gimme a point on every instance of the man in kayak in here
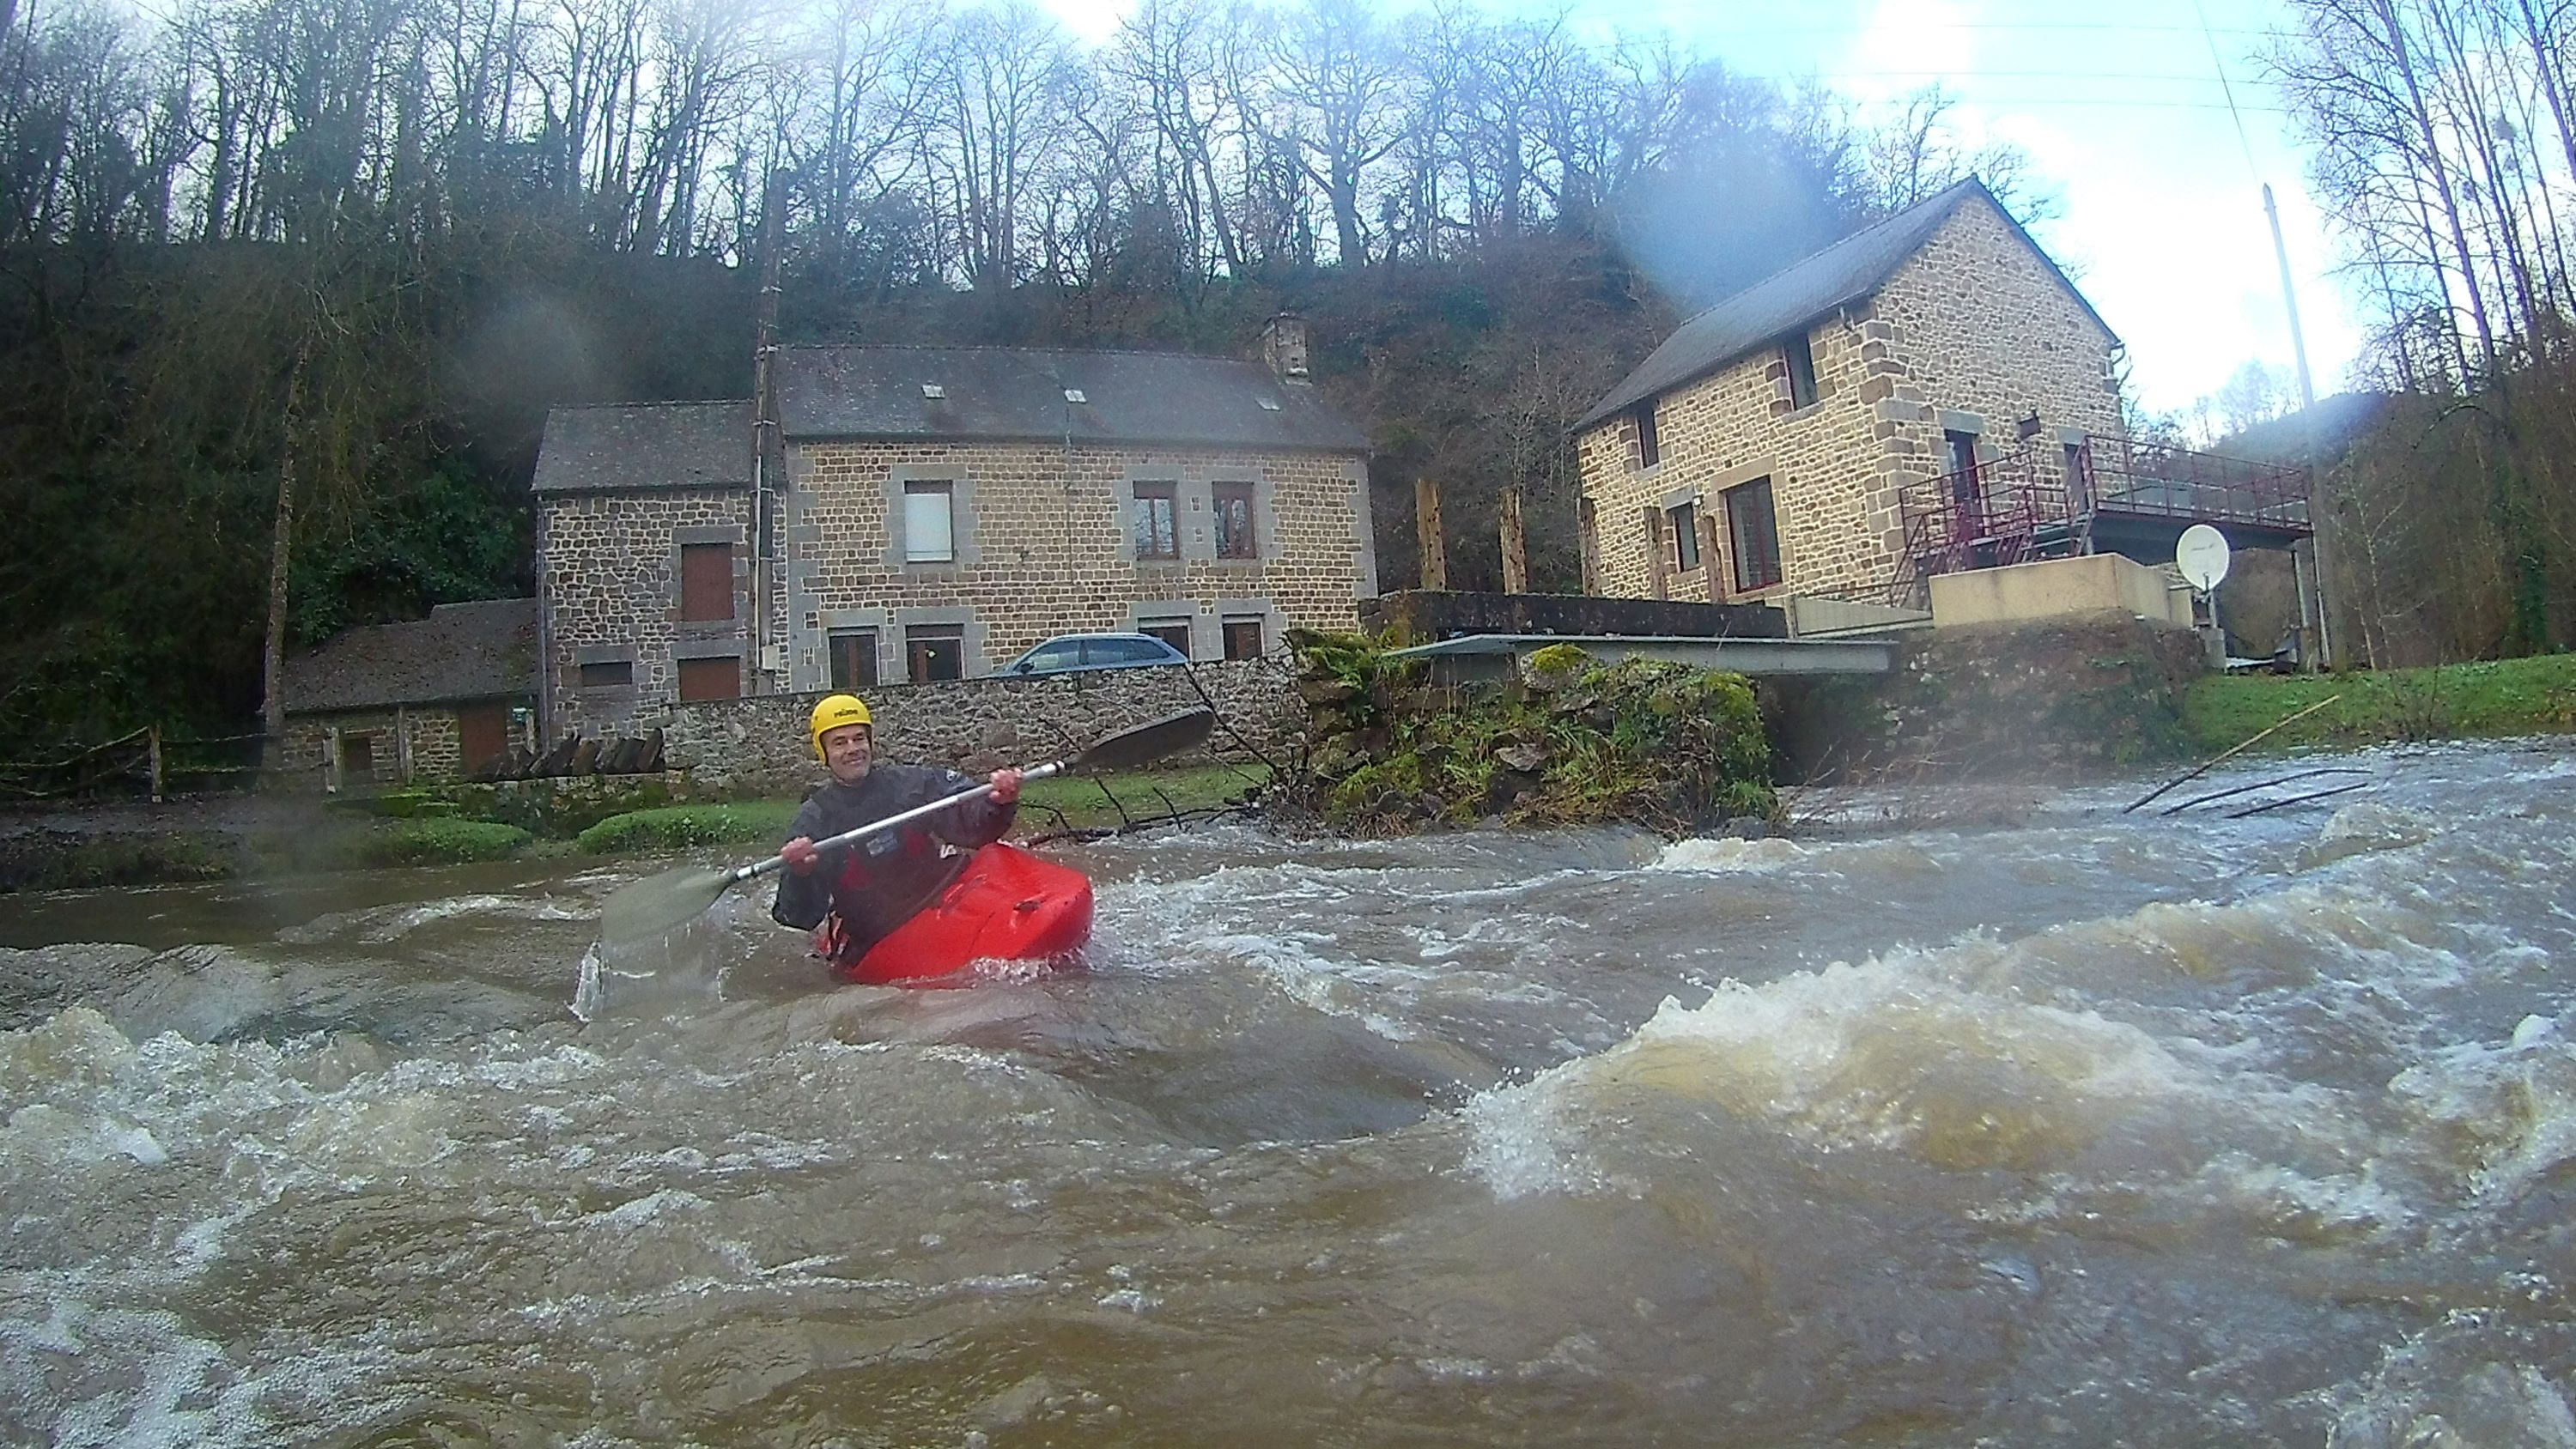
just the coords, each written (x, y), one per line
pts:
(860, 893)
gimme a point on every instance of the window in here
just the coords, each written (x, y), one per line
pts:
(1649, 452)
(854, 658)
(358, 756)
(935, 651)
(1234, 521)
(1682, 520)
(1802, 370)
(706, 581)
(710, 678)
(929, 524)
(1158, 531)
(1243, 637)
(1755, 534)
(1120, 651)
(1175, 632)
(607, 674)
(1055, 654)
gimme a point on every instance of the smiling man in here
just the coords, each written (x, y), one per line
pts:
(859, 893)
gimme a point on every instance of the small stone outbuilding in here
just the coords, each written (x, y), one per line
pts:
(429, 700)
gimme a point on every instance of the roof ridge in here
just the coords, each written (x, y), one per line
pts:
(1941, 200)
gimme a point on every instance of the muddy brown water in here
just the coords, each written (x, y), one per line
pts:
(2094, 1129)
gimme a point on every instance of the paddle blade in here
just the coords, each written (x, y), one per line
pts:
(1146, 743)
(658, 905)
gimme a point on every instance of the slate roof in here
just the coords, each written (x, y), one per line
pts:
(1850, 269)
(994, 393)
(617, 446)
(461, 652)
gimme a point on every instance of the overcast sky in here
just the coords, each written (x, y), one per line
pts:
(2161, 213)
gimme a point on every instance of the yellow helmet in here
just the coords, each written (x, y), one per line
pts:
(833, 711)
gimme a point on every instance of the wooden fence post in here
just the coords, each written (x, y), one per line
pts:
(1426, 530)
(156, 764)
(1515, 545)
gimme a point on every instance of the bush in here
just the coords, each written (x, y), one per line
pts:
(432, 840)
(1575, 742)
(677, 827)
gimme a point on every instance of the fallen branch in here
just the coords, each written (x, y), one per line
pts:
(2264, 785)
(2215, 761)
(2300, 799)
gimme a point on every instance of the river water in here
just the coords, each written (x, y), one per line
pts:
(2089, 1129)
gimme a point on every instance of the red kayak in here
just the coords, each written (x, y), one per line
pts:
(1007, 905)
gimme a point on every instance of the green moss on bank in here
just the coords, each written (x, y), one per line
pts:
(679, 827)
(433, 840)
(1571, 741)
(2502, 697)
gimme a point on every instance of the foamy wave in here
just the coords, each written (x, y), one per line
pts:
(379, 924)
(1941, 1055)
(2510, 1109)
(1729, 856)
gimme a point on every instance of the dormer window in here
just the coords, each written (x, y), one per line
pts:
(933, 391)
(1649, 452)
(1801, 361)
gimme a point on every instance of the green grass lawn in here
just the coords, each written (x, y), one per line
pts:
(2505, 697)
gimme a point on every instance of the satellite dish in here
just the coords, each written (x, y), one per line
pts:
(2201, 553)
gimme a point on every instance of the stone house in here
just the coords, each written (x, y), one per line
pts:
(1927, 395)
(433, 699)
(915, 514)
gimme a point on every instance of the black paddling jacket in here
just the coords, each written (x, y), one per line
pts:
(884, 880)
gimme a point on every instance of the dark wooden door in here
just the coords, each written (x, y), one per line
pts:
(482, 734)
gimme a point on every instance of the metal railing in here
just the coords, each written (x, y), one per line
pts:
(2034, 503)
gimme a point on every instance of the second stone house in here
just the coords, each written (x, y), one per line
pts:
(1927, 397)
(914, 514)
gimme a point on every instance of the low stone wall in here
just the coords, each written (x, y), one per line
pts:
(1425, 615)
(2055, 700)
(759, 743)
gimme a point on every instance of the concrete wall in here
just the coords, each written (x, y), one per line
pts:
(760, 744)
(1974, 332)
(2103, 583)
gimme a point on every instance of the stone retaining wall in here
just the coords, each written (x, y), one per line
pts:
(759, 744)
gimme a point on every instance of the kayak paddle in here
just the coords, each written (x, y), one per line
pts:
(654, 907)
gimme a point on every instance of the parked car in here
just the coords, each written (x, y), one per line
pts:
(1066, 653)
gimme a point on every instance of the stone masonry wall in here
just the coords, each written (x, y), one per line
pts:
(1043, 545)
(608, 569)
(1975, 328)
(426, 737)
(760, 744)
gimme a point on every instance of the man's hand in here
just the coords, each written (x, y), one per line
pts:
(1006, 786)
(799, 854)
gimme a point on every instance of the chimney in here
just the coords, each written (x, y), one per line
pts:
(1283, 346)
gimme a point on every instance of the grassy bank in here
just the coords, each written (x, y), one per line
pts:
(2454, 701)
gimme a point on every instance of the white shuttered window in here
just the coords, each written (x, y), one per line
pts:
(929, 531)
